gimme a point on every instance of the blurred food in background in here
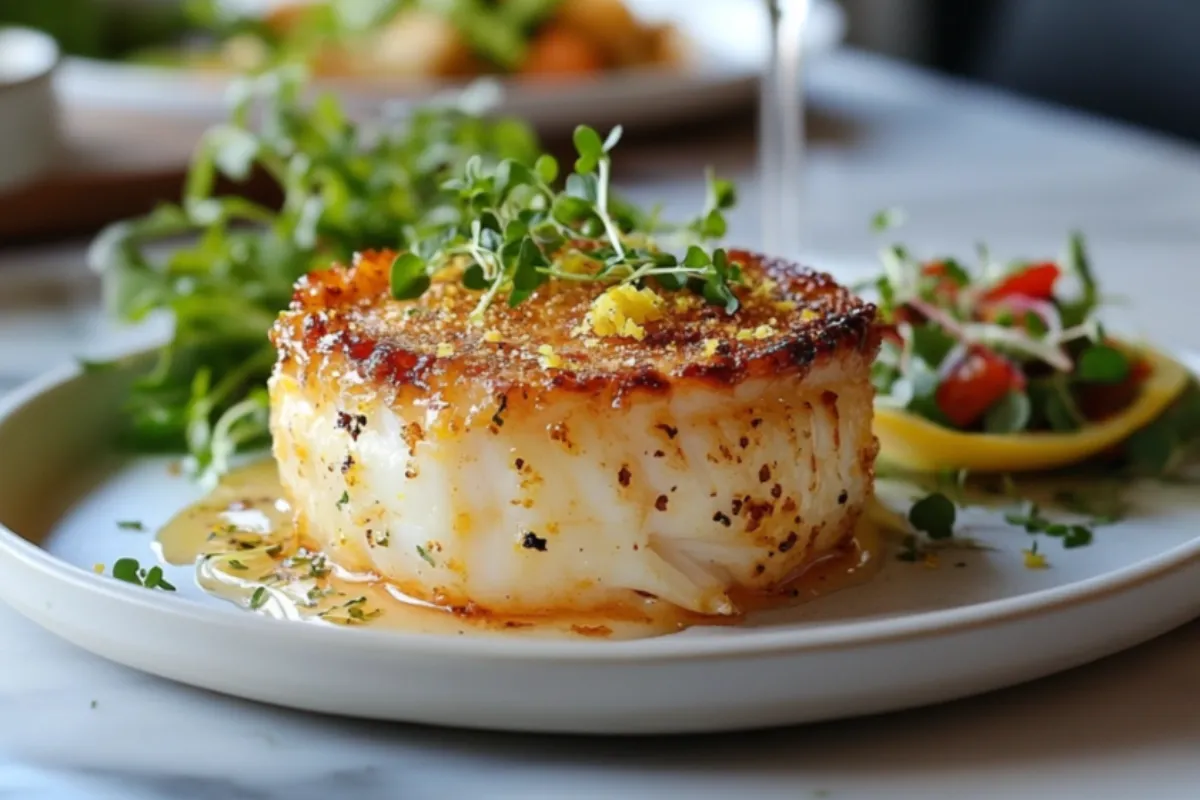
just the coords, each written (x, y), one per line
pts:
(349, 38)
(107, 29)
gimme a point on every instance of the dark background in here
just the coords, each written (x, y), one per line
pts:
(1133, 60)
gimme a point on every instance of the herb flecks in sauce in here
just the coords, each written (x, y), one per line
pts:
(241, 540)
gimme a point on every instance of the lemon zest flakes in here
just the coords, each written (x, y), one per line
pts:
(808, 315)
(765, 288)
(710, 347)
(761, 332)
(786, 305)
(548, 358)
(1035, 560)
(491, 336)
(622, 311)
(445, 350)
(686, 302)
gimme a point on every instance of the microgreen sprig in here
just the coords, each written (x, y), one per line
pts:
(511, 231)
(130, 571)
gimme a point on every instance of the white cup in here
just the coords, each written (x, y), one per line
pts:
(30, 140)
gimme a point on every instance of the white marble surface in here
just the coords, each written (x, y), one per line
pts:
(966, 164)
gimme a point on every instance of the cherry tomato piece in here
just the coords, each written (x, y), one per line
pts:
(1035, 281)
(974, 385)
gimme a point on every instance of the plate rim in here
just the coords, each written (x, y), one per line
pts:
(793, 639)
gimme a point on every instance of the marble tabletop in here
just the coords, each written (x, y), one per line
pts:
(966, 164)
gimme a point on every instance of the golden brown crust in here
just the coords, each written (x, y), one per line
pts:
(791, 318)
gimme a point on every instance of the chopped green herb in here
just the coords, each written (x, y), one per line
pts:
(131, 525)
(344, 499)
(934, 515)
(351, 612)
(235, 564)
(887, 219)
(259, 598)
(423, 553)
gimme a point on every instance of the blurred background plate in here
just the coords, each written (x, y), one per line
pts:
(727, 38)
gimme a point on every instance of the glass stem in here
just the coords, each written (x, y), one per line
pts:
(781, 129)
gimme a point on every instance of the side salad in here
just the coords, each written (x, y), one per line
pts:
(1007, 367)
(999, 387)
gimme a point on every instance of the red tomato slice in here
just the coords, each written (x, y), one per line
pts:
(974, 385)
(1035, 281)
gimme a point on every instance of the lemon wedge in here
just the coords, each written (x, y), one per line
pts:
(912, 443)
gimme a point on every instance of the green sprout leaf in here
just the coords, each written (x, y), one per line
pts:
(130, 571)
(409, 277)
(546, 168)
(934, 515)
(590, 148)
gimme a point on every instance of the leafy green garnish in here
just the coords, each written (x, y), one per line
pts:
(1078, 264)
(1053, 406)
(130, 525)
(512, 231)
(259, 598)
(931, 344)
(934, 515)
(130, 571)
(1102, 364)
(344, 189)
(1162, 447)
(424, 554)
(1010, 415)
(1032, 520)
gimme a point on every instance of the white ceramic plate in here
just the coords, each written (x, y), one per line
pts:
(913, 636)
(730, 38)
